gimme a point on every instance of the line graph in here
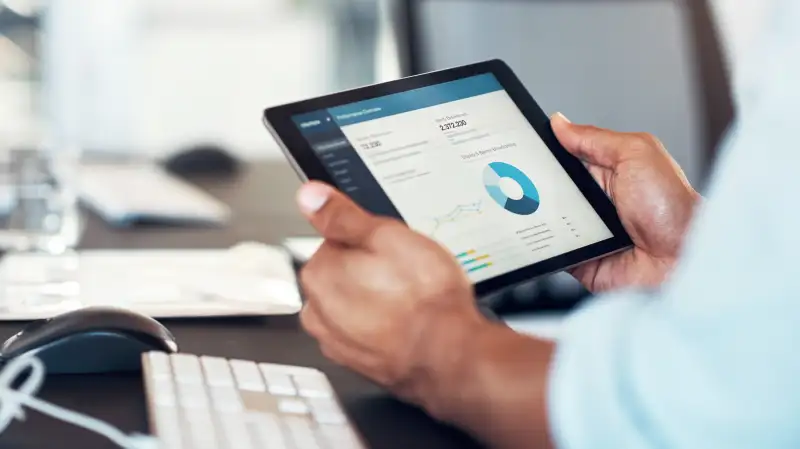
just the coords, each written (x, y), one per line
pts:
(458, 213)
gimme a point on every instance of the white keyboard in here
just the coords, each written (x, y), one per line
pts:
(200, 402)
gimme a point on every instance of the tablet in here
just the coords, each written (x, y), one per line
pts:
(465, 156)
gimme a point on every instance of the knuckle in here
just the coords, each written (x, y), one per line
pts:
(312, 280)
(306, 319)
(307, 275)
(444, 276)
(313, 271)
(310, 322)
(329, 353)
(646, 142)
(386, 230)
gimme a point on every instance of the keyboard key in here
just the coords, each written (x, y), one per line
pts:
(326, 411)
(278, 383)
(159, 365)
(301, 433)
(339, 437)
(201, 429)
(192, 396)
(247, 375)
(226, 399)
(293, 407)
(168, 426)
(259, 401)
(164, 393)
(187, 369)
(217, 371)
(267, 431)
(313, 385)
(237, 435)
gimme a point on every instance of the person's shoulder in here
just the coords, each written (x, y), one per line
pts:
(770, 76)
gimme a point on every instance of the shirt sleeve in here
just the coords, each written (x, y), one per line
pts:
(712, 360)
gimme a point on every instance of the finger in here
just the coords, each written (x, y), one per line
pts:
(585, 274)
(334, 350)
(600, 174)
(327, 281)
(312, 323)
(335, 216)
(597, 146)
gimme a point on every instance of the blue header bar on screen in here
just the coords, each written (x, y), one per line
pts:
(412, 100)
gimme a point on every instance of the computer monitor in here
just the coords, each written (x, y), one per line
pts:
(631, 65)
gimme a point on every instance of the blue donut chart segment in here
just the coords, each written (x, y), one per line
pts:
(494, 172)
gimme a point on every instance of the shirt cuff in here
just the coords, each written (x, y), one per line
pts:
(584, 390)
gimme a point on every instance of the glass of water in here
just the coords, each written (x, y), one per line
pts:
(40, 222)
(40, 228)
(41, 201)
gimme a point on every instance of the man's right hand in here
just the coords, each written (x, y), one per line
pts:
(652, 196)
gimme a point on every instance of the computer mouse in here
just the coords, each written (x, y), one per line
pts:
(91, 340)
(202, 159)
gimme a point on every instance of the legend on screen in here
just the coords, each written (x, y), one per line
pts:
(473, 261)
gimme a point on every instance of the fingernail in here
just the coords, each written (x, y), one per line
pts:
(561, 116)
(312, 197)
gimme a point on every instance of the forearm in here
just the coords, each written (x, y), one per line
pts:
(494, 387)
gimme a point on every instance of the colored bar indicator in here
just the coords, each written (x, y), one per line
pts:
(479, 267)
(465, 254)
(475, 259)
(469, 258)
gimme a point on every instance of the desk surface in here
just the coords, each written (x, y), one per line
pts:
(262, 198)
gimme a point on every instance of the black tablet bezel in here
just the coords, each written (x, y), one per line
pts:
(279, 121)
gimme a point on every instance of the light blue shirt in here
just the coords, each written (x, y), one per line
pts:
(712, 360)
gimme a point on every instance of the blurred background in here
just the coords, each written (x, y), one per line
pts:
(150, 78)
(154, 76)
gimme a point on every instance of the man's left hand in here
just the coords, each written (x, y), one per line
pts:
(382, 299)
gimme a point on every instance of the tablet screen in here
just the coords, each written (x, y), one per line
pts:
(460, 163)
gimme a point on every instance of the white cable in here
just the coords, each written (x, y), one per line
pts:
(12, 402)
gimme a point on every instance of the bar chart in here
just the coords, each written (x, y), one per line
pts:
(473, 261)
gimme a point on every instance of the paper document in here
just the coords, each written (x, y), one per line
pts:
(302, 248)
(159, 283)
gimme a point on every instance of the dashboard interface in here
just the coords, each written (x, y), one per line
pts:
(460, 163)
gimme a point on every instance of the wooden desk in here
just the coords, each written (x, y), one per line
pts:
(263, 202)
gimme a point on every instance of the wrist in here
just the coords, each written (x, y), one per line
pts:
(451, 357)
(443, 351)
(490, 381)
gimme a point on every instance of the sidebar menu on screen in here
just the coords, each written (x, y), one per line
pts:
(342, 162)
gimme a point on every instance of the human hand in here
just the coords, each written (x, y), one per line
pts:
(653, 199)
(383, 300)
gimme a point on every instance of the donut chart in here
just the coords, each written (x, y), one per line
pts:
(527, 204)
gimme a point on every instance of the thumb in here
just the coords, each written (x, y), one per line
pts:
(594, 145)
(335, 216)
